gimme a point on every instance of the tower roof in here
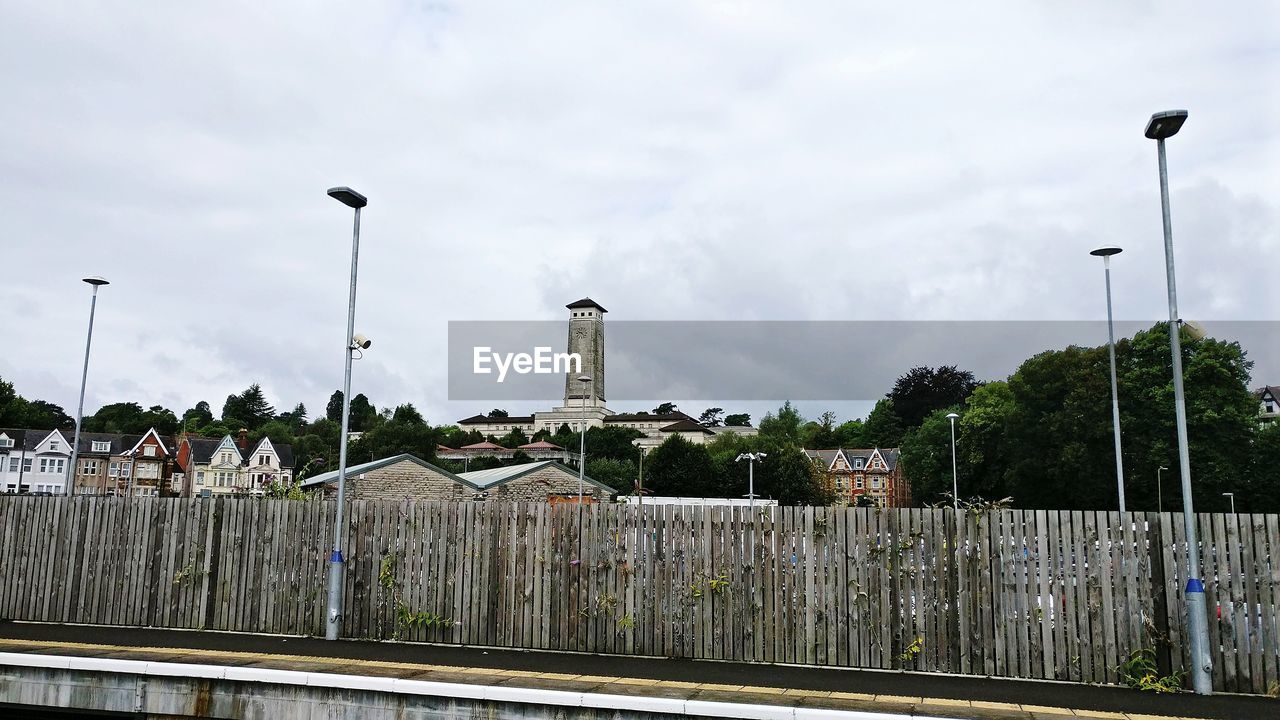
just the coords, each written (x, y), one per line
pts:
(585, 303)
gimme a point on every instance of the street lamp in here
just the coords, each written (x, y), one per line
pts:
(1231, 496)
(1105, 253)
(96, 282)
(355, 201)
(582, 436)
(955, 484)
(751, 459)
(1159, 490)
(1162, 126)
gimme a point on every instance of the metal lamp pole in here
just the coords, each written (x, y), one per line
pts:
(955, 483)
(1232, 497)
(1164, 125)
(751, 459)
(96, 282)
(337, 569)
(582, 436)
(1105, 253)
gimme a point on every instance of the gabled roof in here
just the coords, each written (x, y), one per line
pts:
(1272, 390)
(493, 477)
(485, 420)
(686, 426)
(828, 457)
(283, 452)
(540, 445)
(354, 470)
(486, 445)
(202, 449)
(586, 302)
(149, 433)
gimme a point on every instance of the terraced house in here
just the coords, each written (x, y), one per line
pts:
(871, 473)
(231, 466)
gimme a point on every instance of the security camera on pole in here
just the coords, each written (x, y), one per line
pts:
(751, 459)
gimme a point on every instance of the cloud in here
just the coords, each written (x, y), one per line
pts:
(672, 160)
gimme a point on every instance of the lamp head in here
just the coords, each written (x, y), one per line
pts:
(1105, 251)
(584, 378)
(1165, 124)
(95, 281)
(1194, 330)
(348, 197)
(952, 416)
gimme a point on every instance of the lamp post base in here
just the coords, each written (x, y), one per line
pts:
(333, 618)
(1197, 616)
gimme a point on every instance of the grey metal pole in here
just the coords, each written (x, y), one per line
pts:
(1159, 490)
(955, 483)
(84, 377)
(1232, 497)
(751, 483)
(582, 444)
(1197, 614)
(337, 569)
(1115, 392)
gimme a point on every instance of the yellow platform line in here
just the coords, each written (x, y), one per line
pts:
(914, 701)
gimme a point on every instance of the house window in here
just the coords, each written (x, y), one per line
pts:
(875, 483)
(1271, 407)
(13, 464)
(6, 442)
(88, 467)
(262, 459)
(858, 483)
(149, 451)
(99, 446)
(857, 464)
(26, 465)
(113, 470)
(199, 477)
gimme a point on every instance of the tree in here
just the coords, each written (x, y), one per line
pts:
(198, 416)
(363, 414)
(711, 417)
(249, 407)
(498, 413)
(405, 431)
(37, 415)
(922, 390)
(784, 426)
(982, 430)
(296, 417)
(679, 468)
(617, 474)
(820, 433)
(850, 434)
(883, 428)
(738, 420)
(666, 408)
(514, 439)
(926, 458)
(333, 409)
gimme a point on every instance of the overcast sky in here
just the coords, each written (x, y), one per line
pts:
(683, 160)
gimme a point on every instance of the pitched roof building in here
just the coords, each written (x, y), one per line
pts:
(858, 472)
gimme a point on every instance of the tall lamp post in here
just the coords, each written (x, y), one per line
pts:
(354, 200)
(751, 459)
(1164, 125)
(96, 282)
(1105, 253)
(582, 436)
(1160, 489)
(955, 483)
(1232, 497)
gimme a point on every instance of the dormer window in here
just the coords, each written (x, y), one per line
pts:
(99, 446)
(53, 446)
(149, 450)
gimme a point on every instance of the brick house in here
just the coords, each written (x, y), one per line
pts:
(405, 477)
(854, 472)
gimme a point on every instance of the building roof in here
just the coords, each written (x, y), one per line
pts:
(586, 302)
(203, 448)
(686, 426)
(354, 470)
(648, 417)
(493, 477)
(540, 445)
(827, 457)
(1273, 390)
(486, 445)
(486, 420)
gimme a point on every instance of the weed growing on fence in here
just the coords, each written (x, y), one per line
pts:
(188, 575)
(1140, 672)
(406, 619)
(914, 649)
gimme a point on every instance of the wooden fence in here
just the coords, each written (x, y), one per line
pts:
(1030, 594)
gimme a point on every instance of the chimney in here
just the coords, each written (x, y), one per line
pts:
(243, 440)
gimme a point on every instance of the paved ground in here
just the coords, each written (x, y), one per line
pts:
(918, 693)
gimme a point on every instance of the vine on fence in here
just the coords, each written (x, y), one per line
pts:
(406, 618)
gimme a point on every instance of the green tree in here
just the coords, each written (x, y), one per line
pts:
(851, 434)
(883, 428)
(617, 474)
(333, 409)
(249, 407)
(783, 426)
(498, 413)
(363, 413)
(198, 416)
(711, 416)
(666, 408)
(680, 468)
(926, 459)
(738, 420)
(922, 390)
(982, 431)
(820, 433)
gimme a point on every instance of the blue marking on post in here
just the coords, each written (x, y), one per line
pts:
(1194, 585)
(336, 556)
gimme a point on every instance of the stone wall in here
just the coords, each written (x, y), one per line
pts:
(537, 485)
(405, 479)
